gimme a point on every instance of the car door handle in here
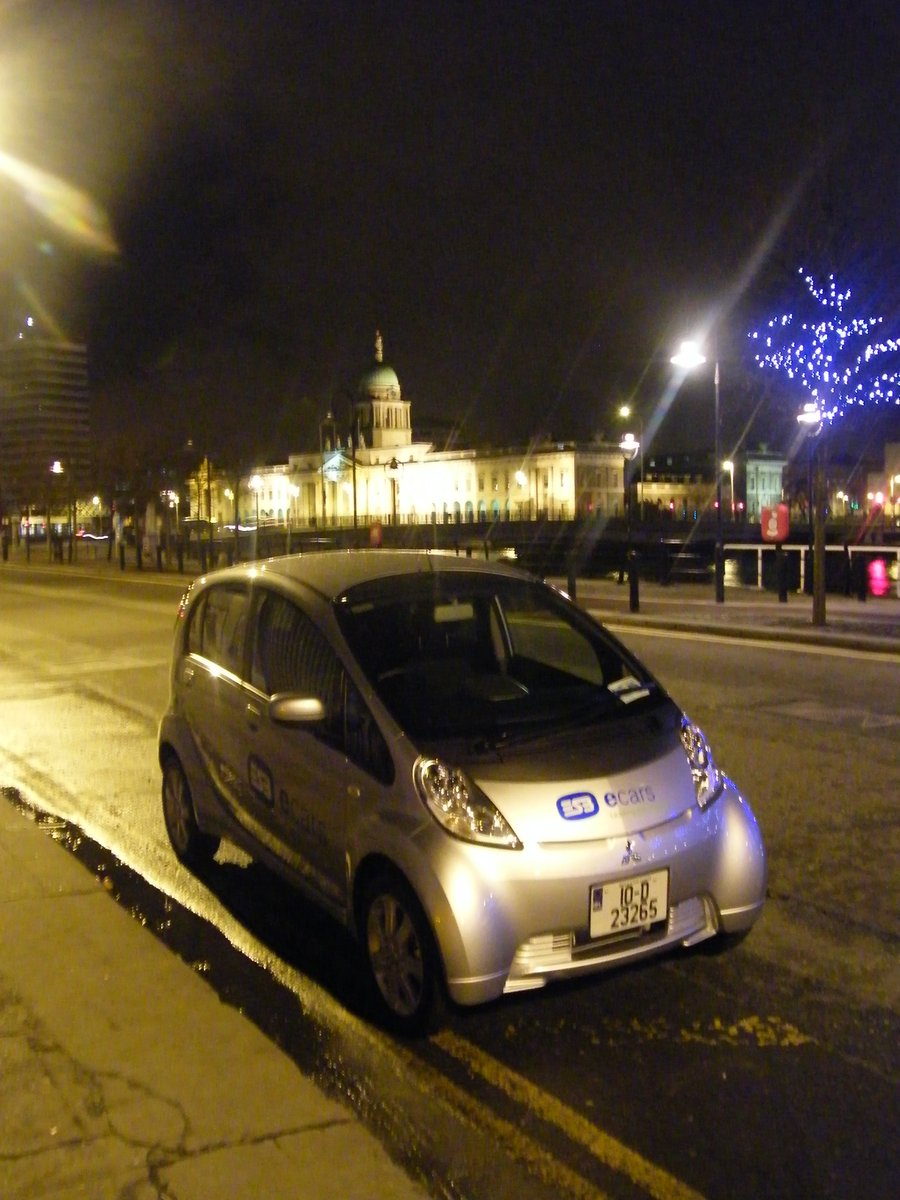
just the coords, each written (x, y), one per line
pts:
(253, 715)
(353, 792)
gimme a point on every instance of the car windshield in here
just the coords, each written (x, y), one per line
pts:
(459, 654)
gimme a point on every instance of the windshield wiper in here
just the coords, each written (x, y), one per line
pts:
(532, 729)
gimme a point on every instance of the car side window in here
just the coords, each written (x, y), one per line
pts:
(291, 655)
(218, 625)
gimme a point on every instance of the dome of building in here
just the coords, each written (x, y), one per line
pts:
(380, 382)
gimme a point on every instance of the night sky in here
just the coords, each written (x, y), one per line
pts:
(533, 202)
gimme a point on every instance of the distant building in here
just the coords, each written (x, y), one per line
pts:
(44, 417)
(883, 487)
(684, 485)
(764, 481)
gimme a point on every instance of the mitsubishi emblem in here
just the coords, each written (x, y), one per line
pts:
(631, 855)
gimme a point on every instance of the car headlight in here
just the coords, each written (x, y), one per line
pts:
(460, 807)
(708, 781)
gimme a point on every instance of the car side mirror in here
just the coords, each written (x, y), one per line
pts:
(289, 709)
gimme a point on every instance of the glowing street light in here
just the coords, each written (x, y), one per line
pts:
(688, 358)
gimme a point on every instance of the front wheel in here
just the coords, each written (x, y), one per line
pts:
(192, 846)
(400, 955)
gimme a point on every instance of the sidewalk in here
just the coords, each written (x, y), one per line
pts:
(122, 1073)
(747, 612)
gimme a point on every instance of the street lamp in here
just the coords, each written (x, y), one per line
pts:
(689, 358)
(293, 493)
(630, 446)
(625, 412)
(255, 483)
(393, 470)
(56, 468)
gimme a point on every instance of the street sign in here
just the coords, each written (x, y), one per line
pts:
(775, 523)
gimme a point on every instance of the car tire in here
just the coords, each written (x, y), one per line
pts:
(400, 955)
(192, 846)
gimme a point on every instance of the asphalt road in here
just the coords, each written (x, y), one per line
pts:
(768, 1070)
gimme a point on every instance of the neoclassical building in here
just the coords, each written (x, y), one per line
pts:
(375, 473)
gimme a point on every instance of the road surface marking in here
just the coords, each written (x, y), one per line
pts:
(607, 1149)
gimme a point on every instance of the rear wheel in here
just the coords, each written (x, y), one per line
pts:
(400, 954)
(192, 846)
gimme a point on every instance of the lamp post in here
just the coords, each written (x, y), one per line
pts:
(630, 446)
(811, 418)
(293, 493)
(625, 412)
(56, 468)
(255, 483)
(688, 358)
(393, 470)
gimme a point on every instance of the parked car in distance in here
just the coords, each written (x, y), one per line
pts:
(459, 764)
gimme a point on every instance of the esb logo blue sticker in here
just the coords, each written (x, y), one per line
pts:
(577, 805)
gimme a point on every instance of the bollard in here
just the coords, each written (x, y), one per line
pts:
(664, 565)
(121, 556)
(634, 599)
(781, 573)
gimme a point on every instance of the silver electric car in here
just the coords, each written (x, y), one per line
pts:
(458, 763)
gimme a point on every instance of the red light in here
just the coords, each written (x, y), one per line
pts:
(879, 583)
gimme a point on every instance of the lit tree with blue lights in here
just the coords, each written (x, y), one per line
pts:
(835, 357)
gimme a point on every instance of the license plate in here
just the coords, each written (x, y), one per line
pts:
(629, 903)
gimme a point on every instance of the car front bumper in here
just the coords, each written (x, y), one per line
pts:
(510, 921)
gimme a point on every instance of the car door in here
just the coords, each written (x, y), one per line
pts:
(300, 769)
(211, 687)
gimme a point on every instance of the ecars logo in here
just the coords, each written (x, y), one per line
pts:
(577, 805)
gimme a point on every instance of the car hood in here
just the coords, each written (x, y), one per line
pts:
(573, 797)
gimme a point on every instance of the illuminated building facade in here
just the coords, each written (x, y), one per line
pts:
(376, 473)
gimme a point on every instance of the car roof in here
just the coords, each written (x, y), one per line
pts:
(332, 572)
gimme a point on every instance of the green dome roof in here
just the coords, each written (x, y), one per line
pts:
(380, 382)
(379, 378)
